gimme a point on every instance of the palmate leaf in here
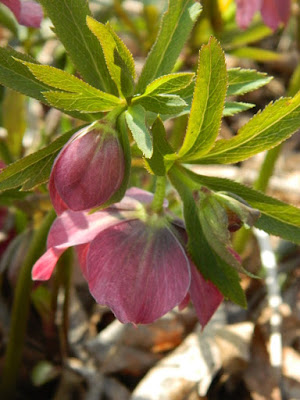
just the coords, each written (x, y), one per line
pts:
(34, 169)
(176, 26)
(78, 95)
(118, 58)
(208, 102)
(211, 266)
(69, 20)
(17, 76)
(276, 123)
(277, 218)
(162, 103)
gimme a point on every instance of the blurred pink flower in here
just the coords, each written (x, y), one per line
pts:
(274, 12)
(89, 169)
(27, 13)
(134, 262)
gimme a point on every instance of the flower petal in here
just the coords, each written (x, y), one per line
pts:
(72, 229)
(27, 13)
(139, 271)
(274, 12)
(245, 11)
(31, 14)
(43, 268)
(89, 170)
(204, 295)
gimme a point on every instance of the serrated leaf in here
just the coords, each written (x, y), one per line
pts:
(62, 80)
(157, 164)
(276, 123)
(208, 102)
(235, 107)
(169, 83)
(241, 81)
(85, 103)
(176, 26)
(69, 20)
(33, 170)
(277, 217)
(136, 121)
(117, 56)
(17, 76)
(210, 265)
(161, 103)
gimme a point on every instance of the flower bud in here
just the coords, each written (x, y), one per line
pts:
(221, 213)
(89, 170)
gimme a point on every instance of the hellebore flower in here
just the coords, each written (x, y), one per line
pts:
(221, 213)
(273, 12)
(133, 260)
(89, 169)
(27, 13)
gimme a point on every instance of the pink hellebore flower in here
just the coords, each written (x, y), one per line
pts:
(89, 169)
(274, 12)
(133, 261)
(27, 13)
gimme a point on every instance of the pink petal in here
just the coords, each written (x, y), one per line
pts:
(27, 13)
(274, 12)
(58, 204)
(245, 11)
(71, 229)
(139, 271)
(82, 251)
(43, 268)
(88, 170)
(204, 295)
(31, 14)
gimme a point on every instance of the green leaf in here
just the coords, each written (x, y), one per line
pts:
(7, 20)
(236, 38)
(34, 169)
(157, 165)
(169, 83)
(118, 59)
(277, 218)
(241, 81)
(17, 76)
(276, 123)
(78, 95)
(208, 102)
(69, 20)
(176, 26)
(235, 107)
(257, 54)
(80, 102)
(136, 121)
(211, 266)
(161, 103)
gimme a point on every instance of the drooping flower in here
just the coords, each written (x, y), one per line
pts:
(28, 13)
(133, 260)
(273, 12)
(89, 170)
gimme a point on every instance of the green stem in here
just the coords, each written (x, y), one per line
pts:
(261, 183)
(159, 195)
(20, 311)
